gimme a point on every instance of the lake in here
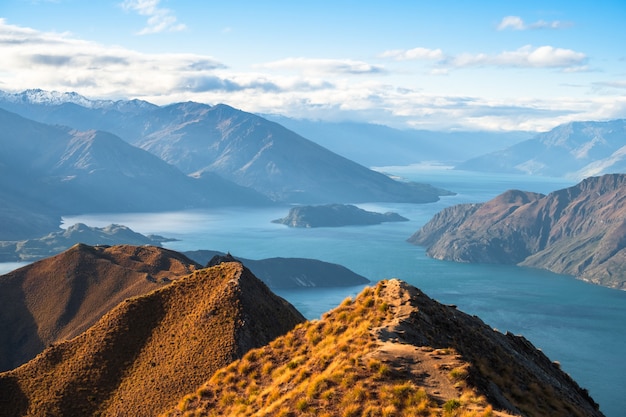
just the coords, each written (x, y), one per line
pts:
(582, 326)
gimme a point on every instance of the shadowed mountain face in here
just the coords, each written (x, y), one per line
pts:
(251, 151)
(577, 150)
(60, 297)
(146, 353)
(579, 231)
(267, 157)
(47, 170)
(392, 351)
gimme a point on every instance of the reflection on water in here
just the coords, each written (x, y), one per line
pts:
(581, 325)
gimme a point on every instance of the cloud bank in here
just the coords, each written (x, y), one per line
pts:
(327, 89)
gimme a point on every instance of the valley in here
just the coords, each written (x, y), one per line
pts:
(568, 319)
(220, 209)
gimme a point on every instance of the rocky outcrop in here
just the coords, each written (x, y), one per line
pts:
(392, 351)
(335, 215)
(579, 231)
(146, 353)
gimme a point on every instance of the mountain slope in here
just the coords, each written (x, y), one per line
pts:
(150, 350)
(269, 158)
(51, 170)
(392, 351)
(239, 146)
(578, 231)
(60, 297)
(577, 150)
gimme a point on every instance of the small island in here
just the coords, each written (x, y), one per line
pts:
(335, 215)
(56, 242)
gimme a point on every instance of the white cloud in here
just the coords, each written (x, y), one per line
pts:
(160, 19)
(323, 66)
(516, 23)
(328, 89)
(413, 54)
(512, 22)
(59, 61)
(524, 57)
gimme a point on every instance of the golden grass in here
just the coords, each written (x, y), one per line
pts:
(322, 367)
(150, 351)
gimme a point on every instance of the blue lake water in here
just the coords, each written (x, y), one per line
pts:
(583, 326)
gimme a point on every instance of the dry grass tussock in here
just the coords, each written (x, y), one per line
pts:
(337, 366)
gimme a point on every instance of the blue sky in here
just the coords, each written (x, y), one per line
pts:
(497, 65)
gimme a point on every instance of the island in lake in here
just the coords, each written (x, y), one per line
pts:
(335, 215)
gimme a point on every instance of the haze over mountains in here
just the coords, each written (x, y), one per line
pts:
(377, 145)
(576, 150)
(47, 171)
(203, 140)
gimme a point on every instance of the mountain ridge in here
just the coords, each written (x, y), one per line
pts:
(577, 231)
(49, 171)
(574, 150)
(61, 296)
(149, 350)
(392, 350)
(242, 147)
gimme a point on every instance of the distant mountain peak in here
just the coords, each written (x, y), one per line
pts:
(55, 98)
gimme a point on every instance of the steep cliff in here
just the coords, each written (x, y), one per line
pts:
(579, 231)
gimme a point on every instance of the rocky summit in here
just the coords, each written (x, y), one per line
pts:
(579, 231)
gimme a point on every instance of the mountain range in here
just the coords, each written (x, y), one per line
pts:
(575, 150)
(579, 231)
(376, 145)
(202, 140)
(48, 171)
(217, 341)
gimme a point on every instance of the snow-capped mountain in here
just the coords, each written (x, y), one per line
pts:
(56, 98)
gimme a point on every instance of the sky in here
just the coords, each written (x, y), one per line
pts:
(439, 65)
